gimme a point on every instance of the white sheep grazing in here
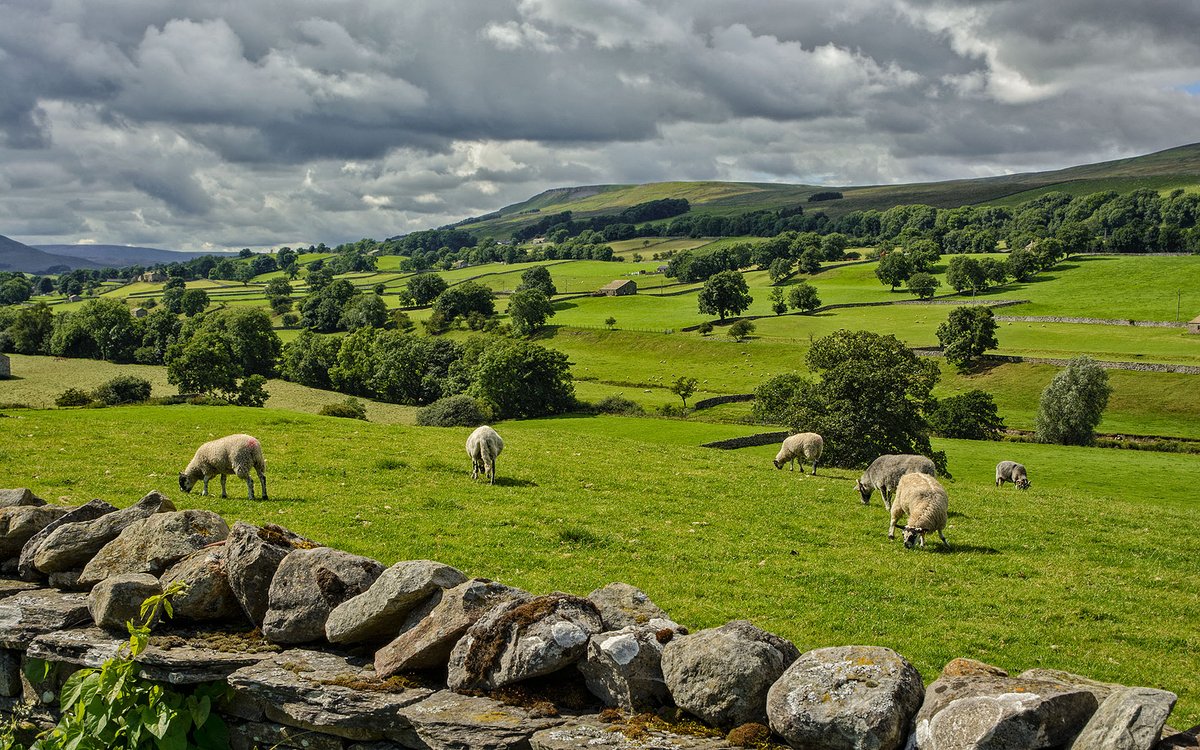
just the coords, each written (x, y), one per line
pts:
(924, 500)
(233, 454)
(1011, 471)
(805, 445)
(884, 474)
(484, 446)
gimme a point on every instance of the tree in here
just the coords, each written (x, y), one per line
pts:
(425, 288)
(809, 261)
(1073, 404)
(522, 379)
(322, 309)
(278, 287)
(101, 329)
(803, 297)
(538, 277)
(364, 310)
(966, 334)
(740, 330)
(778, 303)
(529, 309)
(779, 270)
(924, 254)
(173, 299)
(193, 302)
(610, 322)
(464, 299)
(968, 416)
(725, 293)
(684, 387)
(870, 399)
(894, 269)
(308, 359)
(923, 285)
(705, 328)
(254, 342)
(204, 364)
(1022, 264)
(965, 272)
(30, 328)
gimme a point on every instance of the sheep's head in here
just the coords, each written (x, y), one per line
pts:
(914, 536)
(864, 491)
(186, 483)
(1023, 483)
(777, 462)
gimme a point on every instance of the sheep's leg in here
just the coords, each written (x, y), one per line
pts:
(892, 529)
(249, 485)
(205, 493)
(262, 479)
(887, 501)
(943, 536)
(491, 473)
(223, 487)
(814, 468)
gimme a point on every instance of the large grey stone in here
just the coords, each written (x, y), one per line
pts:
(325, 692)
(623, 667)
(19, 523)
(431, 630)
(19, 496)
(1176, 740)
(846, 698)
(449, 721)
(12, 588)
(208, 596)
(1129, 719)
(258, 735)
(176, 660)
(252, 555)
(522, 639)
(585, 734)
(722, 675)
(1099, 689)
(27, 615)
(86, 512)
(307, 586)
(622, 605)
(996, 713)
(378, 613)
(10, 673)
(72, 545)
(117, 599)
(153, 544)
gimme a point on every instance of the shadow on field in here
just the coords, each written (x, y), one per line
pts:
(958, 548)
(510, 482)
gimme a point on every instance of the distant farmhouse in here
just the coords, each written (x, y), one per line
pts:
(140, 312)
(153, 277)
(618, 288)
(1193, 325)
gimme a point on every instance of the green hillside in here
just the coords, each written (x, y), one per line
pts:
(1164, 171)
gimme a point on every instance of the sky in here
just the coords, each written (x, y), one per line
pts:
(213, 125)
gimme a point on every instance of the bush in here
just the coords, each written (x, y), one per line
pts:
(970, 416)
(73, 397)
(671, 410)
(740, 330)
(453, 411)
(123, 389)
(618, 405)
(704, 328)
(351, 408)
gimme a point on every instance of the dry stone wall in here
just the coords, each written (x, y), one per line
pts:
(357, 656)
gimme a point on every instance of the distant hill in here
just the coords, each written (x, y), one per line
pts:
(117, 256)
(1164, 170)
(15, 256)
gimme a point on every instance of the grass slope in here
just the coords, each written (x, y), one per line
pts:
(1092, 570)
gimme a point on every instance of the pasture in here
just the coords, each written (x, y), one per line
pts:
(1092, 570)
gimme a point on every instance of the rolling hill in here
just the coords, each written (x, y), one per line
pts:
(124, 255)
(15, 256)
(1164, 170)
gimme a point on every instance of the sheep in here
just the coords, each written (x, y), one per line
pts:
(804, 445)
(1011, 471)
(233, 454)
(924, 500)
(884, 473)
(484, 446)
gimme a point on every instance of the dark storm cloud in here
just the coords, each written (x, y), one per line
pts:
(233, 124)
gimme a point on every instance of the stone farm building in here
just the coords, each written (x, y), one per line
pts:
(1193, 325)
(619, 288)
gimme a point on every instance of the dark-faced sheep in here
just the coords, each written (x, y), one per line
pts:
(884, 474)
(233, 454)
(483, 446)
(1011, 471)
(805, 445)
(924, 500)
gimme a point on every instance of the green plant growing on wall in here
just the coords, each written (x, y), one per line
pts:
(113, 707)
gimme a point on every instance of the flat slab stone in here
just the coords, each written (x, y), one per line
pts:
(327, 693)
(594, 735)
(25, 616)
(253, 735)
(180, 665)
(9, 587)
(449, 721)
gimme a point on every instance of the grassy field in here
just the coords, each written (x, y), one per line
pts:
(1120, 287)
(1092, 570)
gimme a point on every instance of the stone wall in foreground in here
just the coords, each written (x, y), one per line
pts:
(327, 650)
